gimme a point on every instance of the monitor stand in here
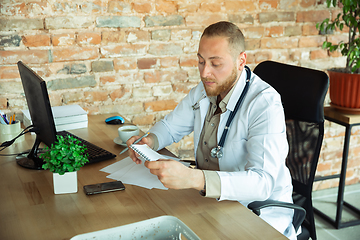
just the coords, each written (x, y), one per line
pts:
(31, 160)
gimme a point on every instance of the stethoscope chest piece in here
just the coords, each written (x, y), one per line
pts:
(217, 152)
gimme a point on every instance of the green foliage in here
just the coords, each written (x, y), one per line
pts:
(349, 17)
(66, 155)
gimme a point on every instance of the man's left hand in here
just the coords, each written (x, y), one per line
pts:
(175, 175)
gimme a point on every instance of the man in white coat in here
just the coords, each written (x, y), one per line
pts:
(239, 132)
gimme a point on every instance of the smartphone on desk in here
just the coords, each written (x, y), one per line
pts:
(103, 187)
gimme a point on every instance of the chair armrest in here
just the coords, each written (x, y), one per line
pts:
(299, 212)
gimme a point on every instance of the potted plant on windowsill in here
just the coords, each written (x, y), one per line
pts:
(345, 82)
(64, 158)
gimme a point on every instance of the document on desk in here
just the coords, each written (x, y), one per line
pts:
(135, 174)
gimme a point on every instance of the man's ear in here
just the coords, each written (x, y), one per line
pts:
(241, 60)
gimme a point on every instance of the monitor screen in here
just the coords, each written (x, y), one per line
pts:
(41, 115)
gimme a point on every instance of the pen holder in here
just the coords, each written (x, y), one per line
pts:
(10, 131)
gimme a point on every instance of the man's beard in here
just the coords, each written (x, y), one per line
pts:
(226, 86)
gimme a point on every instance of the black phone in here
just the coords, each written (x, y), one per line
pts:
(103, 187)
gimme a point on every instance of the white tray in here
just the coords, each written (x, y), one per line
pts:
(164, 227)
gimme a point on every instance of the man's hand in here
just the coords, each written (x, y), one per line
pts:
(146, 140)
(175, 175)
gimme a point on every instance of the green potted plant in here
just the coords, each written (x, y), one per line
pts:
(64, 158)
(345, 82)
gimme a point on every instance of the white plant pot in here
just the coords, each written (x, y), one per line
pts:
(66, 183)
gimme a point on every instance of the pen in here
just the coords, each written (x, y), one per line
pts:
(13, 118)
(2, 120)
(145, 135)
(10, 121)
(4, 117)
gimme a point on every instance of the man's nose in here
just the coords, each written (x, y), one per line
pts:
(205, 71)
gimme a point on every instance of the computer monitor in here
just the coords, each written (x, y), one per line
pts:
(41, 115)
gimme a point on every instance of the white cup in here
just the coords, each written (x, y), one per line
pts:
(127, 131)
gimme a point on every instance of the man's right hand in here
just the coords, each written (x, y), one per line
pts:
(146, 140)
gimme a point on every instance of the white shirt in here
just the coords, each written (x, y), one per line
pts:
(253, 164)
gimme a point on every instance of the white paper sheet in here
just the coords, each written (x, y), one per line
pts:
(131, 173)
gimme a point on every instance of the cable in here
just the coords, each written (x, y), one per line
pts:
(28, 129)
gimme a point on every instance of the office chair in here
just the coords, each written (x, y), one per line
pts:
(302, 93)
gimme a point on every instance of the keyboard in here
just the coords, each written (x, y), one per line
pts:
(96, 153)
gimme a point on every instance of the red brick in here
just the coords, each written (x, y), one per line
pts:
(268, 4)
(281, 43)
(312, 16)
(9, 72)
(37, 8)
(318, 54)
(274, 31)
(323, 166)
(36, 40)
(252, 44)
(117, 93)
(117, 6)
(189, 7)
(124, 64)
(334, 13)
(189, 61)
(96, 96)
(113, 37)
(107, 79)
(161, 105)
(64, 39)
(166, 6)
(138, 36)
(153, 77)
(250, 58)
(210, 7)
(89, 38)
(14, 9)
(307, 3)
(235, 6)
(309, 30)
(169, 62)
(311, 41)
(335, 54)
(3, 103)
(335, 39)
(141, 7)
(27, 56)
(73, 54)
(147, 119)
(254, 32)
(146, 63)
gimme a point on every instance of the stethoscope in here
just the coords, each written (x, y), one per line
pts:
(218, 152)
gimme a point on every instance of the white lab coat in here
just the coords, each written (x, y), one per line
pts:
(253, 163)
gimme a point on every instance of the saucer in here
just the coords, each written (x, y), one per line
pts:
(119, 142)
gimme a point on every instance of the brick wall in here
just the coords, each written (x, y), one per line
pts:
(138, 58)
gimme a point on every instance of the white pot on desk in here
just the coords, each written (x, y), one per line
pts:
(66, 183)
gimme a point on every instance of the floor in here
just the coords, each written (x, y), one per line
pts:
(325, 200)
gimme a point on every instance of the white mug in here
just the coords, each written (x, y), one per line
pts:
(127, 131)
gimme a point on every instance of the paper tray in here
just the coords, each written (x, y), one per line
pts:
(164, 227)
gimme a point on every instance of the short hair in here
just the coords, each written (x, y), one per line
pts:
(229, 30)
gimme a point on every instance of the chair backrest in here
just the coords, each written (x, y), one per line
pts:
(302, 91)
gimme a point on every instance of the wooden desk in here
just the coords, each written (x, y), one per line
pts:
(30, 210)
(348, 121)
